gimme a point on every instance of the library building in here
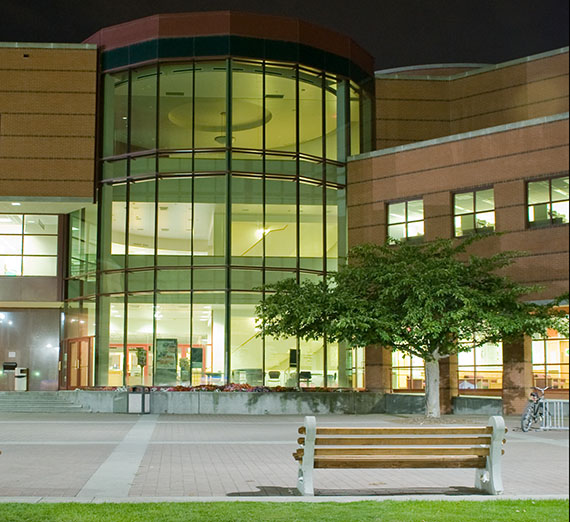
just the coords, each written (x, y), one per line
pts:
(155, 176)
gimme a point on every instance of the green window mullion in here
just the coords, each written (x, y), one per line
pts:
(228, 219)
(264, 204)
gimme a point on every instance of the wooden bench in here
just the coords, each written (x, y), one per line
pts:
(478, 447)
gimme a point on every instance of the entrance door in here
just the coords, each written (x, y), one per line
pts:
(79, 354)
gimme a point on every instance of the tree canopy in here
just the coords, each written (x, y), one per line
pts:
(422, 299)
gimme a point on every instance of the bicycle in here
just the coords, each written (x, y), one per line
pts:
(534, 411)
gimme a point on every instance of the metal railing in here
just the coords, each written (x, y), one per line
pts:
(555, 415)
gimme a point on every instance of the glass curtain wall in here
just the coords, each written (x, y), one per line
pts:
(218, 177)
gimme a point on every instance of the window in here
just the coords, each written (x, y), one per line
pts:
(406, 220)
(474, 212)
(548, 202)
(550, 361)
(408, 372)
(28, 245)
(480, 368)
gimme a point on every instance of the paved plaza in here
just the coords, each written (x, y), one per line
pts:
(108, 457)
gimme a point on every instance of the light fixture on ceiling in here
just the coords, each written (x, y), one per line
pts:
(222, 138)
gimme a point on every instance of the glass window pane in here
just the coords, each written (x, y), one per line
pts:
(175, 120)
(539, 214)
(247, 162)
(396, 213)
(172, 316)
(113, 231)
(175, 215)
(10, 266)
(11, 223)
(335, 118)
(208, 329)
(280, 223)
(415, 210)
(538, 192)
(354, 121)
(41, 224)
(209, 227)
(336, 224)
(397, 231)
(42, 245)
(538, 352)
(310, 114)
(311, 226)
(40, 266)
(484, 200)
(248, 232)
(311, 364)
(415, 229)
(246, 348)
(115, 113)
(141, 223)
(485, 220)
(247, 105)
(140, 324)
(142, 165)
(11, 245)
(210, 119)
(114, 169)
(173, 280)
(466, 358)
(143, 109)
(463, 203)
(560, 189)
(280, 101)
(464, 225)
(560, 213)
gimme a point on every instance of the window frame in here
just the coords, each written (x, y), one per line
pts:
(476, 229)
(22, 235)
(406, 221)
(543, 223)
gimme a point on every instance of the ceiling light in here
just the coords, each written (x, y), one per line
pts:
(15, 204)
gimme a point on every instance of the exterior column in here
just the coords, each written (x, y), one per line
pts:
(378, 375)
(517, 375)
(448, 385)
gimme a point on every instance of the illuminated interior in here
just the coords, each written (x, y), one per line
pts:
(204, 198)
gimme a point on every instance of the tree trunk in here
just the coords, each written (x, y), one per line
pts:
(432, 388)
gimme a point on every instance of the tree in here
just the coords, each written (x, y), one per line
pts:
(421, 299)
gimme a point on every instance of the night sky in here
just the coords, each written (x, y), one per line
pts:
(395, 32)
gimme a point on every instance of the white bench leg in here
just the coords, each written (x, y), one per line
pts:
(305, 476)
(490, 479)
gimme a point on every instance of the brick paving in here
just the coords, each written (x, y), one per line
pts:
(184, 457)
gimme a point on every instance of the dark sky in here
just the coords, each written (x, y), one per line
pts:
(395, 32)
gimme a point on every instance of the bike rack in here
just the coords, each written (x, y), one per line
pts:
(555, 411)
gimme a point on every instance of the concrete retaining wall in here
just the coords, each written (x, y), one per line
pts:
(469, 405)
(286, 403)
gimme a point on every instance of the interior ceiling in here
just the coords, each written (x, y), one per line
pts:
(40, 207)
(209, 112)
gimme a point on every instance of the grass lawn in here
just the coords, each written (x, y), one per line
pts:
(386, 511)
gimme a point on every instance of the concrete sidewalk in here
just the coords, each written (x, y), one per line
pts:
(149, 458)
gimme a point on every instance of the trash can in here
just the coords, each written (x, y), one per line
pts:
(138, 399)
(21, 379)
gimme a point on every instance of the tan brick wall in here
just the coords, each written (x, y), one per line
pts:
(410, 110)
(502, 160)
(47, 121)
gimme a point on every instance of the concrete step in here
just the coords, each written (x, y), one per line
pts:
(38, 402)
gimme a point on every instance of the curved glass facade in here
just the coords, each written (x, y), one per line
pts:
(216, 178)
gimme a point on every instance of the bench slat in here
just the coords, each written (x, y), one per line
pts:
(482, 451)
(398, 461)
(424, 430)
(397, 441)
